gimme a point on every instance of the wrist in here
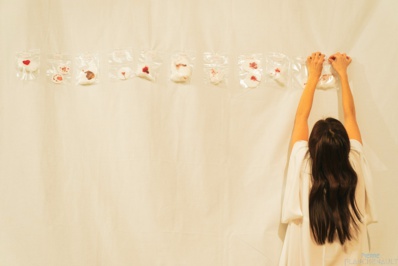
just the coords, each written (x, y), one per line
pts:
(313, 79)
(343, 76)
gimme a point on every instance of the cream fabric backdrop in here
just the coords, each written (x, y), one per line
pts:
(140, 173)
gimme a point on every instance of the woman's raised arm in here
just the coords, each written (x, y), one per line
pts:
(340, 63)
(300, 128)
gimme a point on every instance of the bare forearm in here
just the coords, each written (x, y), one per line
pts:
(305, 104)
(340, 63)
(300, 129)
(348, 99)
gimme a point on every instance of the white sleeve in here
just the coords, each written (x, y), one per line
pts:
(371, 216)
(291, 207)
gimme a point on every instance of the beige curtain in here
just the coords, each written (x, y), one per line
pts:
(158, 173)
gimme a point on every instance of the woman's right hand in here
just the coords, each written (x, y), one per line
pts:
(315, 65)
(340, 62)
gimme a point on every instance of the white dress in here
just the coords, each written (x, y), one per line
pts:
(299, 248)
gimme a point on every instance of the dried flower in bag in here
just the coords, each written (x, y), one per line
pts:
(28, 65)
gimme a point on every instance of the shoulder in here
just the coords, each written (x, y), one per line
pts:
(299, 150)
(356, 153)
(356, 148)
(356, 145)
(299, 146)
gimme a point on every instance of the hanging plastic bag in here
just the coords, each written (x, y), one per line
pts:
(87, 69)
(277, 68)
(215, 68)
(299, 72)
(250, 73)
(328, 79)
(28, 65)
(59, 68)
(120, 64)
(181, 67)
(148, 64)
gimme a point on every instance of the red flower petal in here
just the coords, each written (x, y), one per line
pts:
(253, 65)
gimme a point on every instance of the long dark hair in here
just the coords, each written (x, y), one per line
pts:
(332, 205)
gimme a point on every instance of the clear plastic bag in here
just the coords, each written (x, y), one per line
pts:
(215, 68)
(329, 78)
(148, 64)
(181, 67)
(250, 73)
(277, 67)
(59, 68)
(87, 69)
(299, 72)
(28, 65)
(120, 64)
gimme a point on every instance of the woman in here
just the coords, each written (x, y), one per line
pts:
(328, 198)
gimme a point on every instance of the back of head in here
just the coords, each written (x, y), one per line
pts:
(329, 142)
(334, 181)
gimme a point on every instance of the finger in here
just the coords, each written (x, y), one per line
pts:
(337, 55)
(333, 60)
(314, 54)
(321, 57)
